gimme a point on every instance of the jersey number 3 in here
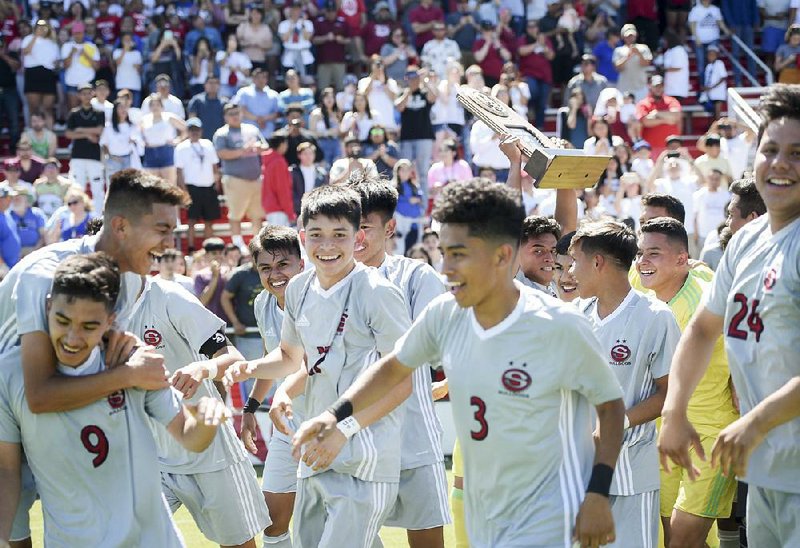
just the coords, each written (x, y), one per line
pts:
(754, 322)
(480, 416)
(95, 441)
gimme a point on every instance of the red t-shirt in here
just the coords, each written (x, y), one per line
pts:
(492, 64)
(9, 29)
(642, 8)
(351, 11)
(330, 52)
(657, 135)
(139, 25)
(375, 35)
(535, 65)
(421, 14)
(108, 28)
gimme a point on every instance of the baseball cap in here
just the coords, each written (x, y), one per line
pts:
(672, 139)
(381, 6)
(712, 47)
(589, 58)
(639, 145)
(6, 190)
(213, 244)
(656, 80)
(712, 139)
(84, 86)
(163, 78)
(629, 28)
(294, 107)
(486, 24)
(194, 122)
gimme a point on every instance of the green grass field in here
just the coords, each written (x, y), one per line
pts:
(392, 537)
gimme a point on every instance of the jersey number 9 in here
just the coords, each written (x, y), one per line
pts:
(95, 441)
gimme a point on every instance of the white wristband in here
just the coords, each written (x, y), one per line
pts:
(626, 423)
(212, 370)
(349, 427)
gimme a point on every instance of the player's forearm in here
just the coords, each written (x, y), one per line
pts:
(779, 407)
(275, 365)
(222, 360)
(385, 405)
(566, 212)
(377, 383)
(295, 384)
(9, 499)
(196, 436)
(260, 389)
(648, 409)
(609, 432)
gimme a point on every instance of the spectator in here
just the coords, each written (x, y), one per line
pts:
(121, 141)
(100, 100)
(9, 97)
(201, 30)
(774, 22)
(128, 63)
(30, 221)
(9, 239)
(209, 283)
(207, 106)
(354, 13)
(211, 12)
(352, 162)
(462, 26)
(484, 143)
(447, 114)
(255, 37)
(50, 188)
(198, 173)
(161, 131)
(787, 57)
(419, 253)
(344, 98)
(359, 120)
(518, 89)
(410, 211)
(40, 55)
(588, 80)
(628, 201)
(306, 174)
(631, 61)
(272, 18)
(642, 163)
(259, 104)
(535, 54)
(604, 53)
(422, 19)
(30, 166)
(296, 33)
(71, 220)
(84, 127)
(564, 44)
(377, 32)
(670, 177)
(295, 134)
(736, 142)
(659, 114)
(612, 108)
(276, 192)
(644, 15)
(165, 57)
(41, 139)
(324, 125)
(169, 264)
(490, 53)
(416, 130)
(169, 102)
(241, 289)
(381, 150)
(675, 63)
(382, 92)
(107, 23)
(80, 62)
(709, 206)
(602, 141)
(239, 146)
(439, 51)
(706, 21)
(397, 54)
(202, 64)
(575, 128)
(741, 16)
(296, 95)
(715, 88)
(235, 15)
(234, 67)
(330, 39)
(449, 169)
(712, 159)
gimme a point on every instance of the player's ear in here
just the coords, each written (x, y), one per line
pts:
(391, 227)
(360, 236)
(506, 255)
(119, 225)
(683, 258)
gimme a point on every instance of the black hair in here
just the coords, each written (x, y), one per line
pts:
(419, 248)
(725, 236)
(536, 225)
(562, 247)
(94, 225)
(673, 205)
(377, 195)
(275, 238)
(132, 194)
(326, 114)
(489, 210)
(750, 200)
(276, 139)
(333, 201)
(94, 276)
(611, 239)
(780, 100)
(114, 117)
(429, 232)
(669, 227)
(367, 108)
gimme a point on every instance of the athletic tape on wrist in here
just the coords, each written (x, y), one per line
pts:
(349, 427)
(600, 481)
(212, 370)
(626, 422)
(252, 405)
(341, 409)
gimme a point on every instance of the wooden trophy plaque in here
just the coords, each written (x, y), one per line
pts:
(550, 167)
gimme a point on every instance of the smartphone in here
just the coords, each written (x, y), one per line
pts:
(168, 35)
(673, 154)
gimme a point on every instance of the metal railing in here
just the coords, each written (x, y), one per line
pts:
(740, 105)
(770, 79)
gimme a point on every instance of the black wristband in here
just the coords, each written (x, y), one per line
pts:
(600, 482)
(251, 406)
(341, 409)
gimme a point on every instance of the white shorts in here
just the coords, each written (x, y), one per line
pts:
(280, 468)
(773, 518)
(227, 505)
(421, 499)
(21, 527)
(636, 520)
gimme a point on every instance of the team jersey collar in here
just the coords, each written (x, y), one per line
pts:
(625, 302)
(93, 364)
(508, 321)
(327, 293)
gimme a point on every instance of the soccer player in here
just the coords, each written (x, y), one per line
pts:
(103, 489)
(524, 427)
(565, 282)
(537, 253)
(689, 508)
(755, 303)
(277, 258)
(219, 486)
(638, 336)
(339, 315)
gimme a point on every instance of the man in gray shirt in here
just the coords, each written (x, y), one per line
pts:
(590, 82)
(239, 146)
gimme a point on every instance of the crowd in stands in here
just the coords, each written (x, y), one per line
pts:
(249, 105)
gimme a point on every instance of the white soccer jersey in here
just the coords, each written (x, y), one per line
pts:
(546, 289)
(638, 340)
(96, 468)
(269, 318)
(23, 292)
(757, 289)
(422, 431)
(176, 324)
(524, 424)
(342, 329)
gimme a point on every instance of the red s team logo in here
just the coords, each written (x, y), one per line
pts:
(117, 399)
(771, 278)
(152, 337)
(620, 353)
(516, 380)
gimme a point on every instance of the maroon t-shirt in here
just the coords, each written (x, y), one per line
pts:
(642, 8)
(421, 14)
(535, 65)
(375, 35)
(492, 64)
(333, 51)
(108, 28)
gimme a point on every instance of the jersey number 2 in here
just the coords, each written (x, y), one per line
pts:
(754, 322)
(480, 416)
(95, 441)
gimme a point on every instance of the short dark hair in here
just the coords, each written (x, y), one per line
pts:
(213, 244)
(489, 210)
(133, 192)
(750, 200)
(94, 276)
(377, 195)
(725, 236)
(419, 248)
(669, 227)
(276, 140)
(275, 238)
(536, 225)
(611, 239)
(333, 201)
(562, 247)
(671, 204)
(779, 101)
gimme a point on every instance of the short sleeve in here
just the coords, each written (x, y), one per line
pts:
(387, 317)
(200, 284)
(220, 140)
(180, 155)
(191, 318)
(645, 51)
(212, 155)
(30, 298)
(716, 300)
(666, 342)
(234, 282)
(694, 15)
(289, 334)
(163, 405)
(9, 425)
(426, 286)
(617, 56)
(419, 345)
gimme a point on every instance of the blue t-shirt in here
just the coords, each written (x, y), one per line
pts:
(404, 205)
(29, 225)
(9, 240)
(605, 66)
(259, 103)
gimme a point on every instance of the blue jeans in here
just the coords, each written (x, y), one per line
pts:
(746, 34)
(540, 95)
(9, 109)
(419, 151)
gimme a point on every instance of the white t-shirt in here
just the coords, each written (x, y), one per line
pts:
(236, 60)
(676, 83)
(796, 5)
(123, 142)
(45, 53)
(309, 175)
(716, 72)
(127, 76)
(709, 209)
(381, 106)
(81, 70)
(159, 133)
(171, 104)
(737, 151)
(197, 161)
(707, 20)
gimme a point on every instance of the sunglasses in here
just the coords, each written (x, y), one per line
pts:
(377, 132)
(73, 202)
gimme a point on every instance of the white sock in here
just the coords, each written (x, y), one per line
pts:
(238, 241)
(728, 539)
(283, 541)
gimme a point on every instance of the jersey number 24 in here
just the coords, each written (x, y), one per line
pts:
(754, 323)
